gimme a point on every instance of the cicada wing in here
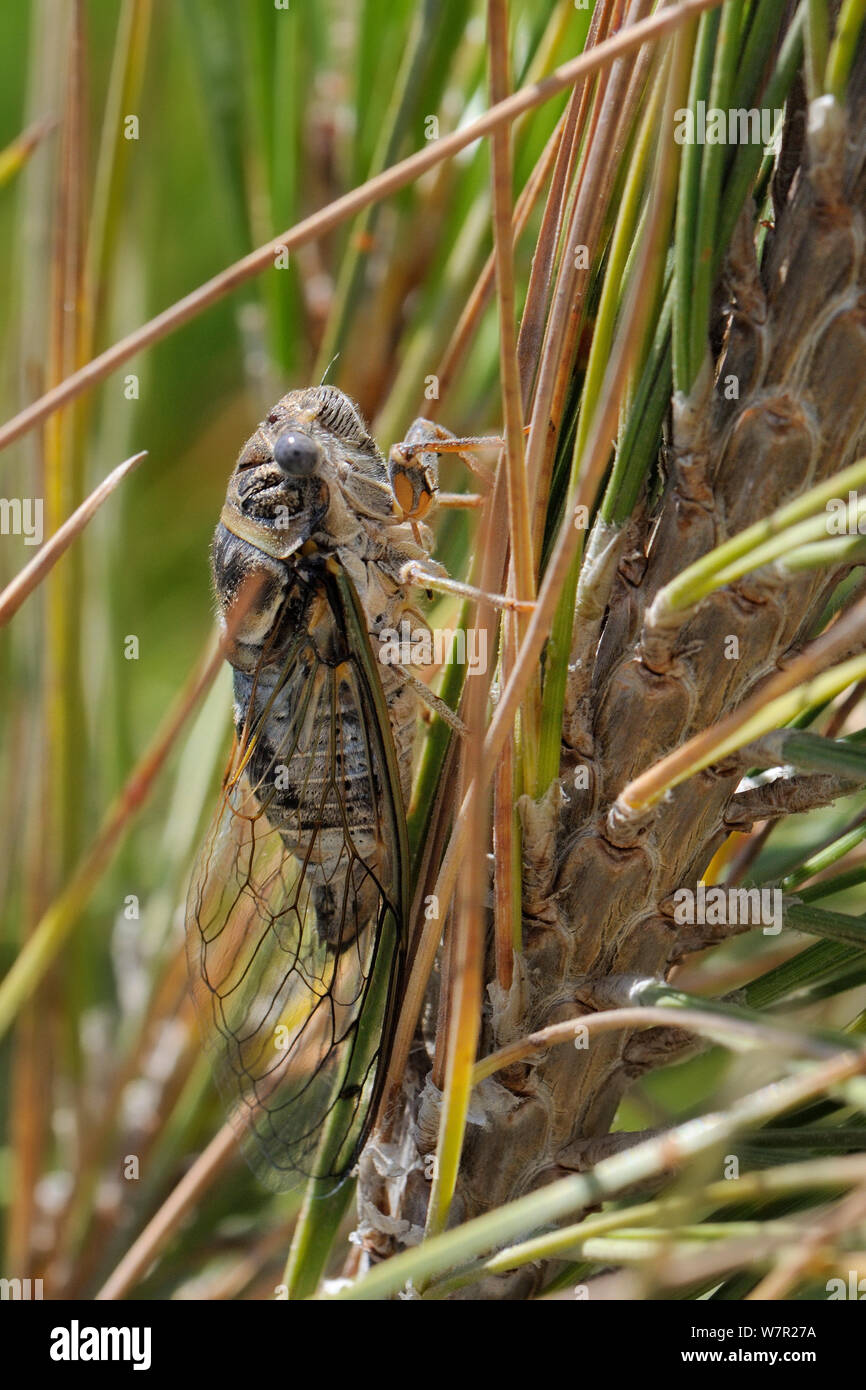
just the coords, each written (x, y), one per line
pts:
(296, 911)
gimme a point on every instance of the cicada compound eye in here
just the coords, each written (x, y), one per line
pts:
(296, 454)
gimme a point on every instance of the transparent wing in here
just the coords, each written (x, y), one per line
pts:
(296, 911)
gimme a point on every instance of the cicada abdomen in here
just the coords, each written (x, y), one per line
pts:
(296, 922)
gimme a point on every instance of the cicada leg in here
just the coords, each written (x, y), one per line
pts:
(414, 573)
(414, 475)
(464, 500)
(413, 471)
(413, 467)
(433, 702)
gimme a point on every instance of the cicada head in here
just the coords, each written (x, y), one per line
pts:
(278, 493)
(311, 458)
(304, 479)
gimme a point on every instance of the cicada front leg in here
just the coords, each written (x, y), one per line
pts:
(413, 470)
(413, 466)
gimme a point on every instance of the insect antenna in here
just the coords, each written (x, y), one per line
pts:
(328, 368)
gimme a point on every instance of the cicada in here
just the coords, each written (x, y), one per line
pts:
(298, 907)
